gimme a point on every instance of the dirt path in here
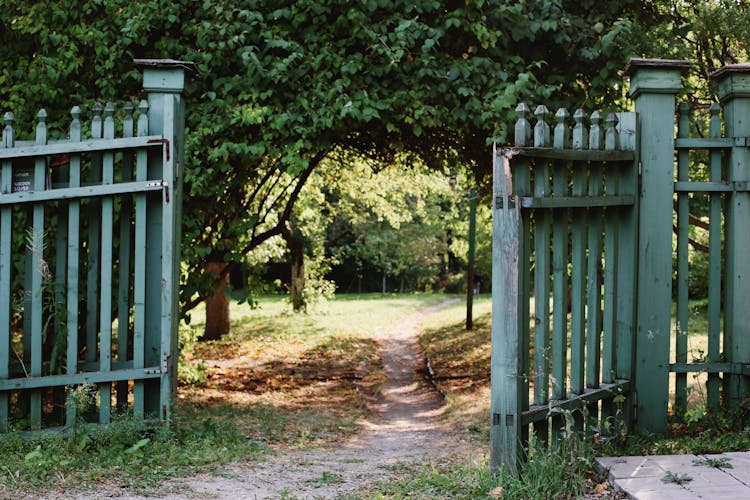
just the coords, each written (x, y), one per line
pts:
(405, 430)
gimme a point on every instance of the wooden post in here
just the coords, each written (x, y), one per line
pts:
(506, 400)
(654, 84)
(734, 95)
(164, 80)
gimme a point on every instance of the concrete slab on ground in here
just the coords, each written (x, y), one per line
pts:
(685, 477)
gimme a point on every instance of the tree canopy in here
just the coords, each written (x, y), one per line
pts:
(283, 84)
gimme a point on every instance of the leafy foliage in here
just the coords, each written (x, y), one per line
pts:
(284, 83)
(711, 34)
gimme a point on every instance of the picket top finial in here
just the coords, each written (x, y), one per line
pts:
(714, 126)
(733, 81)
(683, 119)
(96, 121)
(541, 129)
(561, 137)
(127, 123)
(41, 127)
(523, 127)
(75, 124)
(9, 134)
(580, 132)
(611, 135)
(109, 122)
(142, 126)
(596, 137)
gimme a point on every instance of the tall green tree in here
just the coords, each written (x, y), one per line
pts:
(710, 33)
(283, 83)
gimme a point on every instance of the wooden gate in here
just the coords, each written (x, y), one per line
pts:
(89, 260)
(591, 215)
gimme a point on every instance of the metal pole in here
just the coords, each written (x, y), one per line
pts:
(470, 265)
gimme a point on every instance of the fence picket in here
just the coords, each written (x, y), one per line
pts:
(561, 135)
(5, 269)
(580, 132)
(596, 136)
(73, 276)
(611, 245)
(611, 250)
(542, 239)
(593, 284)
(714, 262)
(139, 279)
(523, 129)
(682, 327)
(541, 129)
(39, 270)
(560, 295)
(124, 261)
(92, 275)
(105, 296)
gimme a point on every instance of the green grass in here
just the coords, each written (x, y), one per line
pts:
(281, 380)
(262, 399)
(454, 351)
(127, 454)
(565, 472)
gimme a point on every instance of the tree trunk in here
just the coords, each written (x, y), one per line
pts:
(217, 305)
(383, 292)
(295, 245)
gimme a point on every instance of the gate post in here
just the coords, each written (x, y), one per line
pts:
(506, 403)
(734, 95)
(164, 80)
(654, 84)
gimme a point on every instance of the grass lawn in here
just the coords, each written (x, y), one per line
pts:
(278, 380)
(281, 380)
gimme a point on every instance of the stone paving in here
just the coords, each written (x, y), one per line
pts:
(684, 477)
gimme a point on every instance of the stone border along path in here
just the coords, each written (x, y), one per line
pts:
(405, 430)
(681, 477)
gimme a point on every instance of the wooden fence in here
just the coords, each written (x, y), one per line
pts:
(89, 260)
(563, 259)
(591, 215)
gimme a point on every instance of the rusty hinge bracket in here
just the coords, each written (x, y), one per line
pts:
(161, 141)
(499, 202)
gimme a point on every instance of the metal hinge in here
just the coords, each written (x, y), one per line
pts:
(500, 204)
(165, 184)
(161, 141)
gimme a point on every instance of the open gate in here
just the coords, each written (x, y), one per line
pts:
(89, 260)
(584, 287)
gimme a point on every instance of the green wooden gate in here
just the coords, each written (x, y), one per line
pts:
(89, 259)
(583, 234)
